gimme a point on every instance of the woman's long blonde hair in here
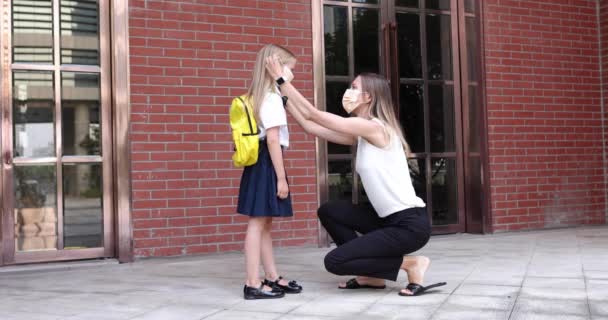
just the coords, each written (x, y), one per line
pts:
(262, 82)
(381, 104)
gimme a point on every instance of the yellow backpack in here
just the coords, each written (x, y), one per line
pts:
(244, 133)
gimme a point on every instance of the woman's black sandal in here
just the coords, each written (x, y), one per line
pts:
(417, 289)
(354, 284)
(252, 293)
(291, 287)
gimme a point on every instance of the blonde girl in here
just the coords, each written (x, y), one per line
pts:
(396, 223)
(264, 190)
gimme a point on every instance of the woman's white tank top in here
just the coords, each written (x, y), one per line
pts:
(386, 177)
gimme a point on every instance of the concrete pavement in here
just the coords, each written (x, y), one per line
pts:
(552, 274)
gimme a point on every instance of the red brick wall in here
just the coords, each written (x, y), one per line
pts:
(188, 59)
(544, 113)
(603, 18)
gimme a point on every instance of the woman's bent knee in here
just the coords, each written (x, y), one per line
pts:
(332, 263)
(330, 208)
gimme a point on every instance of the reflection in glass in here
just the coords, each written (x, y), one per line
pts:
(83, 217)
(410, 56)
(32, 31)
(80, 113)
(33, 114)
(407, 3)
(335, 24)
(365, 32)
(80, 32)
(472, 49)
(411, 115)
(366, 1)
(441, 103)
(439, 47)
(445, 191)
(340, 180)
(334, 92)
(35, 208)
(438, 4)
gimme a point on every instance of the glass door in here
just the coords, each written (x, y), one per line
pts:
(56, 134)
(427, 49)
(427, 86)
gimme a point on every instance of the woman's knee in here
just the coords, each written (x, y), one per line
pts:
(329, 208)
(333, 263)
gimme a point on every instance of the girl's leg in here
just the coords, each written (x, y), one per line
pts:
(270, 269)
(253, 241)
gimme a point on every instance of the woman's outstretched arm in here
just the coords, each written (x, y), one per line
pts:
(319, 131)
(353, 126)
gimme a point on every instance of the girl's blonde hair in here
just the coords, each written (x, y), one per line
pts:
(262, 82)
(381, 104)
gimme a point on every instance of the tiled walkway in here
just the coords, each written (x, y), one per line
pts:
(554, 274)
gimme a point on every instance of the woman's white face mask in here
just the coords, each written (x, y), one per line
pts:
(351, 100)
(287, 74)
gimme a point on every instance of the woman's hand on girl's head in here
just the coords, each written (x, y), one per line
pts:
(274, 67)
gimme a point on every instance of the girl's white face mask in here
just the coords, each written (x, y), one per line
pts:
(287, 74)
(350, 100)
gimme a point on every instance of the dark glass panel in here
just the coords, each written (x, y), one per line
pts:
(439, 47)
(407, 3)
(340, 180)
(474, 123)
(335, 23)
(438, 4)
(418, 175)
(472, 49)
(411, 115)
(334, 92)
(444, 184)
(469, 6)
(410, 56)
(442, 117)
(365, 32)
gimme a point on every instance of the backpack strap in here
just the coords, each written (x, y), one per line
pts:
(248, 120)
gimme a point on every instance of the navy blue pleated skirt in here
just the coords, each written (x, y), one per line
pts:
(258, 190)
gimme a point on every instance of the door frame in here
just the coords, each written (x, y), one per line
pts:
(117, 96)
(387, 14)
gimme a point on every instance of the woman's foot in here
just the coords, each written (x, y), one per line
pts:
(415, 267)
(365, 281)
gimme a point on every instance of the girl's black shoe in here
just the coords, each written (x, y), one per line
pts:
(251, 293)
(291, 287)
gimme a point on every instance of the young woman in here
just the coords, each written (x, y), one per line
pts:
(264, 191)
(396, 223)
